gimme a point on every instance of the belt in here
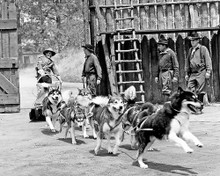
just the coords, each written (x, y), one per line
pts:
(164, 70)
(198, 71)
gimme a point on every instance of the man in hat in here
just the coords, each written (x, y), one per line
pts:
(198, 66)
(168, 66)
(46, 66)
(92, 72)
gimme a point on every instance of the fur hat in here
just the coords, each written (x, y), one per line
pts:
(88, 47)
(193, 36)
(49, 50)
(162, 41)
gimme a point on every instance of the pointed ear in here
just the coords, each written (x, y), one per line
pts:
(50, 89)
(180, 90)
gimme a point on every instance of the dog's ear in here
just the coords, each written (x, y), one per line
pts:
(180, 90)
(51, 88)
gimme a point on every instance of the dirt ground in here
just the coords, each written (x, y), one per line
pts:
(29, 149)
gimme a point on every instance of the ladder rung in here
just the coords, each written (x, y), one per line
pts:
(127, 39)
(130, 71)
(126, 51)
(139, 102)
(124, 8)
(127, 61)
(131, 82)
(127, 18)
(137, 92)
(124, 30)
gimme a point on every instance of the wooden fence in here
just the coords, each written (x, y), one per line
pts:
(173, 19)
(149, 56)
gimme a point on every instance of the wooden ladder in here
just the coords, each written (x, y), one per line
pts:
(120, 39)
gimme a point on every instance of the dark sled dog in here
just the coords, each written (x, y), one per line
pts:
(133, 116)
(51, 107)
(172, 122)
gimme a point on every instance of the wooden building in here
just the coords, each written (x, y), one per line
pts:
(9, 77)
(125, 34)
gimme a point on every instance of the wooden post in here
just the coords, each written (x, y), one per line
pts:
(86, 22)
(111, 74)
(146, 67)
(93, 26)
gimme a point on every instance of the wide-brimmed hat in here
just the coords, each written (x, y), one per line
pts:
(49, 50)
(193, 36)
(162, 41)
(88, 47)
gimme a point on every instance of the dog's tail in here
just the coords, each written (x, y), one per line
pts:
(66, 95)
(149, 107)
(100, 100)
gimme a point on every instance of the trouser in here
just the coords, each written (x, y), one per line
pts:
(91, 83)
(166, 78)
(196, 82)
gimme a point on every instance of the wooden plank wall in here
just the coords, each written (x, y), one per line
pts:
(161, 14)
(10, 99)
(155, 14)
(149, 56)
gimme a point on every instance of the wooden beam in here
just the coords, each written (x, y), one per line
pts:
(157, 31)
(8, 63)
(157, 4)
(110, 69)
(7, 86)
(9, 24)
(9, 99)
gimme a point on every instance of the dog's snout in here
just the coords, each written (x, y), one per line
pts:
(120, 107)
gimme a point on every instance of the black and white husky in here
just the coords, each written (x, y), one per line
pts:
(170, 122)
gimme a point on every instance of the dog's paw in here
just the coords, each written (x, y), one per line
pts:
(96, 150)
(110, 151)
(74, 142)
(143, 166)
(53, 131)
(95, 137)
(200, 145)
(86, 136)
(189, 150)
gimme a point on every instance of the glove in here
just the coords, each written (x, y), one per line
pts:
(207, 75)
(156, 79)
(174, 79)
(98, 81)
(186, 77)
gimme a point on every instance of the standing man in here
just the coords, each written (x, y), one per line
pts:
(92, 71)
(168, 66)
(198, 66)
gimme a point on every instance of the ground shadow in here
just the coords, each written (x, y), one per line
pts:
(103, 152)
(37, 121)
(69, 140)
(48, 132)
(174, 169)
(128, 147)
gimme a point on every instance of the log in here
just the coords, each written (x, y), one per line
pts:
(110, 70)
